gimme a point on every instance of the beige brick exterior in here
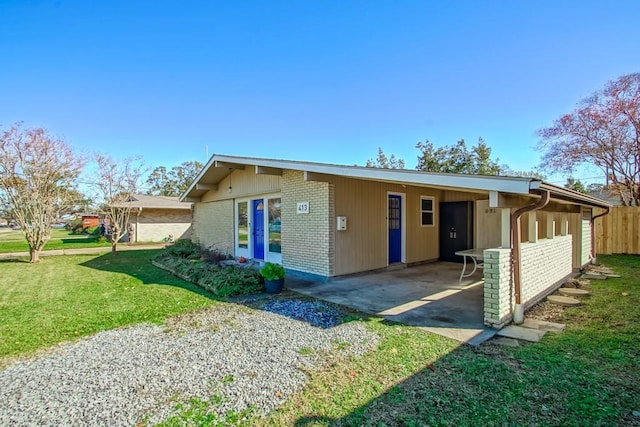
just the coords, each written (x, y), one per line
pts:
(307, 239)
(586, 239)
(498, 297)
(155, 225)
(213, 225)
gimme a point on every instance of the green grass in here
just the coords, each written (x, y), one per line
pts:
(588, 375)
(65, 297)
(14, 241)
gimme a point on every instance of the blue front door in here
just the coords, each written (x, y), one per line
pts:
(258, 229)
(394, 220)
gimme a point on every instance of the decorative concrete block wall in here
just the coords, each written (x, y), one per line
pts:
(213, 225)
(544, 265)
(307, 238)
(498, 298)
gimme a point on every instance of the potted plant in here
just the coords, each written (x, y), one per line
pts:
(273, 277)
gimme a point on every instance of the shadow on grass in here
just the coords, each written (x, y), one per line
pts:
(138, 264)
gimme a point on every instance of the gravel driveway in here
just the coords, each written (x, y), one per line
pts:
(120, 377)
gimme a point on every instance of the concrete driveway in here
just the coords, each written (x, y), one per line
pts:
(428, 296)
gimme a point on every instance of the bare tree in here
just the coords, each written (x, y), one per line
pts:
(38, 174)
(604, 130)
(117, 182)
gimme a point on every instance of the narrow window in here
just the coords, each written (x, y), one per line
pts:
(243, 225)
(426, 211)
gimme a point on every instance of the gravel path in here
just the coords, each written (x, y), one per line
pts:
(119, 377)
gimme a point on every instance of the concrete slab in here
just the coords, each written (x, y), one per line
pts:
(565, 301)
(593, 276)
(507, 342)
(543, 325)
(428, 296)
(571, 292)
(520, 333)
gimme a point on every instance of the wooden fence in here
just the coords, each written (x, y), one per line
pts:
(619, 231)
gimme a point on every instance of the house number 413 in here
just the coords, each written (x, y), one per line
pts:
(303, 208)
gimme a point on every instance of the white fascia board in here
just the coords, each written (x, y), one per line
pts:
(515, 185)
(206, 167)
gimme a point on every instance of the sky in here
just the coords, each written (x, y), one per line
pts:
(325, 81)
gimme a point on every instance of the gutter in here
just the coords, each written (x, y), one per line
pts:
(593, 232)
(516, 232)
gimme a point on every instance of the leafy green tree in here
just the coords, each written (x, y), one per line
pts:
(384, 162)
(457, 158)
(173, 182)
(576, 185)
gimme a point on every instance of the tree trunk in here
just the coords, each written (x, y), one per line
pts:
(34, 255)
(114, 250)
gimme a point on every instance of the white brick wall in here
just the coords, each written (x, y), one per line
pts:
(213, 225)
(544, 265)
(586, 242)
(307, 239)
(498, 297)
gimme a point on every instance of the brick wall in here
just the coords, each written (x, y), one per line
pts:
(155, 225)
(498, 297)
(213, 225)
(307, 239)
(544, 265)
(586, 241)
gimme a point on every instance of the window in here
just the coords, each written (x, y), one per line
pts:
(426, 211)
(243, 225)
(275, 226)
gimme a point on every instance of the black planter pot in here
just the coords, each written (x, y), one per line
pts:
(274, 286)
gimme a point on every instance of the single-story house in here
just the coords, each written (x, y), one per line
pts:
(158, 218)
(325, 220)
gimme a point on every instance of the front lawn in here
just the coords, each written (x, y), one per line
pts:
(65, 297)
(588, 375)
(14, 241)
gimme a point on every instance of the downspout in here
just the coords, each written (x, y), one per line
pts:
(518, 313)
(593, 232)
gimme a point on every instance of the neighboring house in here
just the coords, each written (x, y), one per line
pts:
(90, 220)
(327, 220)
(156, 218)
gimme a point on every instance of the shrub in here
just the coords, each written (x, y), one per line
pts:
(212, 254)
(94, 231)
(272, 271)
(184, 249)
(74, 226)
(222, 282)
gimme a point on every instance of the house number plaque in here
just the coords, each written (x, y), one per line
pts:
(303, 208)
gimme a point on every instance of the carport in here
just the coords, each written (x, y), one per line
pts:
(429, 296)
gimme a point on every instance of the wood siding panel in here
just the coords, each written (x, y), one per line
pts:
(244, 183)
(488, 225)
(363, 246)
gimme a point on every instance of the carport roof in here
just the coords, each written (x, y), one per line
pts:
(219, 166)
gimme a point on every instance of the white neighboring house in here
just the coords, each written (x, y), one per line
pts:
(159, 218)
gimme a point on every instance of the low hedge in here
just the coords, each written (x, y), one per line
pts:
(221, 281)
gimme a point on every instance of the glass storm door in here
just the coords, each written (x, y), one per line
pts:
(394, 220)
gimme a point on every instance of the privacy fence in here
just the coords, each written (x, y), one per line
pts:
(619, 231)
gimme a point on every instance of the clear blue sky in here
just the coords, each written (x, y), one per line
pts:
(327, 81)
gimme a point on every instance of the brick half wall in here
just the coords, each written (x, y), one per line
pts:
(545, 265)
